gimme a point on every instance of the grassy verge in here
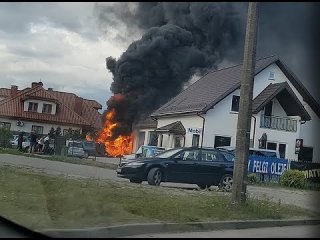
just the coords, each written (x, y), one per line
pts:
(88, 162)
(39, 201)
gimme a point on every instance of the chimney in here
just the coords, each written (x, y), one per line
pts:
(50, 89)
(35, 84)
(13, 91)
(78, 105)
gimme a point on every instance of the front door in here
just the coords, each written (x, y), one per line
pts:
(185, 167)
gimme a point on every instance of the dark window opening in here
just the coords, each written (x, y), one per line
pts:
(268, 109)
(220, 141)
(305, 154)
(153, 138)
(47, 108)
(37, 129)
(282, 150)
(195, 140)
(141, 139)
(271, 146)
(33, 107)
(235, 103)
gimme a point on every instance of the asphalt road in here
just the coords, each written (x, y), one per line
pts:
(301, 198)
(308, 231)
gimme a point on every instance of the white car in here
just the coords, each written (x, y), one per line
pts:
(143, 151)
(75, 149)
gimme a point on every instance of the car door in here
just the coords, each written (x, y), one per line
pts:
(184, 168)
(212, 166)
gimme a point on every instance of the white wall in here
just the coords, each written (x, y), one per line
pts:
(136, 136)
(28, 125)
(221, 121)
(309, 131)
(40, 105)
(192, 121)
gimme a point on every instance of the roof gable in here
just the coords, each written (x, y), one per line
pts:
(209, 90)
(13, 107)
(286, 97)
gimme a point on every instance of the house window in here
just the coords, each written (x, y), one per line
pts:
(47, 108)
(271, 76)
(282, 150)
(5, 125)
(153, 138)
(141, 138)
(220, 141)
(33, 107)
(305, 154)
(235, 103)
(271, 146)
(195, 140)
(37, 129)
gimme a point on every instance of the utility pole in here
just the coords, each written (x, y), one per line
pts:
(239, 187)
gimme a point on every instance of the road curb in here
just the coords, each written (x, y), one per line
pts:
(137, 229)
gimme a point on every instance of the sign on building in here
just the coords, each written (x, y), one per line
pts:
(194, 130)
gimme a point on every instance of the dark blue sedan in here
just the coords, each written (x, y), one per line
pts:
(202, 166)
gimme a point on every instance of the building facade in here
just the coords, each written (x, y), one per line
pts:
(38, 109)
(283, 112)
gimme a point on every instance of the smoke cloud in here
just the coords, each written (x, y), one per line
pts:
(183, 40)
(179, 41)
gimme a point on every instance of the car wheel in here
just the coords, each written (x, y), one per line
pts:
(86, 155)
(203, 186)
(134, 180)
(226, 183)
(26, 149)
(155, 176)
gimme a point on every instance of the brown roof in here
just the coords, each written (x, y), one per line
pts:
(88, 115)
(175, 127)
(216, 85)
(288, 100)
(146, 123)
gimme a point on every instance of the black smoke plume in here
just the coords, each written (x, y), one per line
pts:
(179, 40)
(215, 34)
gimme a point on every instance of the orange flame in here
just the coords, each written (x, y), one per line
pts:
(117, 147)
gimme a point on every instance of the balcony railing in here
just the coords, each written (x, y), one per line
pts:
(279, 123)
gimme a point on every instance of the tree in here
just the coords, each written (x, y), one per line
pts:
(5, 135)
(51, 132)
(58, 131)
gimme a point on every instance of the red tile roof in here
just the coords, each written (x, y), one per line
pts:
(86, 116)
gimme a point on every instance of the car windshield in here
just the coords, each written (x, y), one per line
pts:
(168, 153)
(75, 144)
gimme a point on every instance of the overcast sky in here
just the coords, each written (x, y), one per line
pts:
(61, 44)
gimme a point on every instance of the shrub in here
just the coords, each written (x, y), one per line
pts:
(252, 178)
(5, 136)
(292, 178)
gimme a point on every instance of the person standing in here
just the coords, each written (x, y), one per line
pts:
(33, 141)
(46, 144)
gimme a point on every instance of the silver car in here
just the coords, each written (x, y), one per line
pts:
(75, 149)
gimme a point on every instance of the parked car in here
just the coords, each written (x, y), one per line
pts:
(143, 152)
(201, 166)
(254, 151)
(75, 149)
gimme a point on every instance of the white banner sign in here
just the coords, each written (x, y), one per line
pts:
(194, 130)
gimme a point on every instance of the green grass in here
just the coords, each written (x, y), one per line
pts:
(40, 201)
(88, 162)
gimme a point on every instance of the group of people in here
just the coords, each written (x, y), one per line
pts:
(40, 145)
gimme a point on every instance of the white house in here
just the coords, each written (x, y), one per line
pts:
(39, 109)
(206, 112)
